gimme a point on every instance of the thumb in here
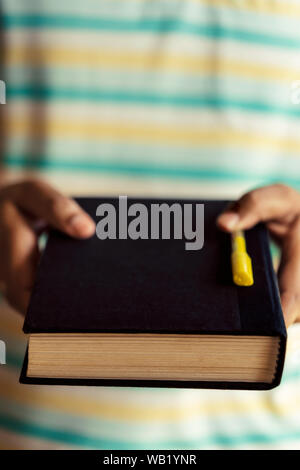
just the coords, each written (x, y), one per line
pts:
(42, 201)
(275, 202)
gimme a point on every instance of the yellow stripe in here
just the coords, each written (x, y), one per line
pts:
(272, 7)
(258, 6)
(113, 409)
(37, 55)
(158, 134)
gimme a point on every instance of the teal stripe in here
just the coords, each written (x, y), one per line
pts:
(257, 162)
(27, 428)
(91, 427)
(103, 429)
(146, 80)
(161, 25)
(164, 85)
(189, 10)
(290, 376)
(71, 438)
(14, 361)
(146, 170)
(215, 102)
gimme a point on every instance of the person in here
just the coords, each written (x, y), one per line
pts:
(185, 98)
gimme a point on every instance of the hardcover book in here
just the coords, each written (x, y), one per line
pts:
(147, 311)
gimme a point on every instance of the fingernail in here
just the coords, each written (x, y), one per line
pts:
(82, 225)
(229, 220)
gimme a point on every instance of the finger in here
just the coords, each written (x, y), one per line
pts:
(289, 275)
(269, 203)
(18, 298)
(41, 200)
(290, 307)
(18, 246)
(20, 255)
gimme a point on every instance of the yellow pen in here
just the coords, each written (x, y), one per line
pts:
(240, 260)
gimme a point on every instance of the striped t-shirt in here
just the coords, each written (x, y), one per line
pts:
(149, 97)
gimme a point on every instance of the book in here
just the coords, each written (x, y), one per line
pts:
(129, 311)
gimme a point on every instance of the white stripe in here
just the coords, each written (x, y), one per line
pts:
(184, 118)
(191, 11)
(144, 42)
(200, 424)
(289, 444)
(91, 184)
(285, 398)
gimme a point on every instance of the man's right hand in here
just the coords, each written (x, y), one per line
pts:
(24, 206)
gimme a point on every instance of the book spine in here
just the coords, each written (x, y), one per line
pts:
(279, 325)
(275, 296)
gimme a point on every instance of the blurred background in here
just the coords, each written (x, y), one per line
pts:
(179, 98)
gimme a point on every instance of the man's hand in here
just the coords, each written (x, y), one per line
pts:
(22, 207)
(279, 207)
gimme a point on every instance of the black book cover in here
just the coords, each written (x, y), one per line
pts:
(154, 286)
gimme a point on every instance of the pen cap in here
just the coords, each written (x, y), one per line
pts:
(241, 268)
(238, 241)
